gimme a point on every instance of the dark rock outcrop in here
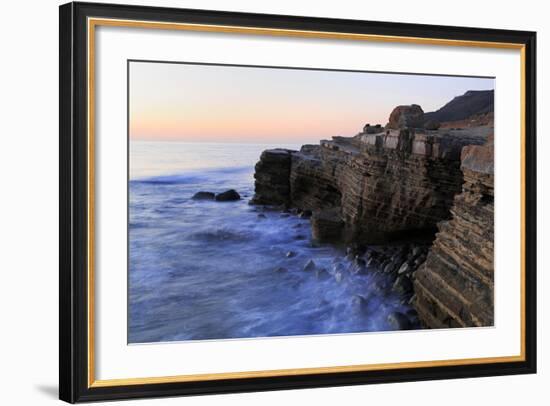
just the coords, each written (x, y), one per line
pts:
(461, 107)
(228, 196)
(454, 286)
(272, 178)
(204, 196)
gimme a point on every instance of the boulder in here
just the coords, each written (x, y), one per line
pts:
(322, 274)
(204, 196)
(398, 321)
(406, 117)
(228, 196)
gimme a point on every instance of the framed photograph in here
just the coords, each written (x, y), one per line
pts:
(256, 202)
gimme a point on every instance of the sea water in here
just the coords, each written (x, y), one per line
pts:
(216, 270)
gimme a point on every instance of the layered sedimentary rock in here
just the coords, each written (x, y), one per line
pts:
(454, 286)
(384, 186)
(272, 174)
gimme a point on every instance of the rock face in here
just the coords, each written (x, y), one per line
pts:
(384, 186)
(406, 117)
(327, 225)
(272, 178)
(454, 286)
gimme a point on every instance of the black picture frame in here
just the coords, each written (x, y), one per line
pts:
(73, 284)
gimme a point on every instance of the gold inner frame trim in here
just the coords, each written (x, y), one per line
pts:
(94, 22)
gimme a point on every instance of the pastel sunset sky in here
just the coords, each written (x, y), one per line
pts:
(181, 102)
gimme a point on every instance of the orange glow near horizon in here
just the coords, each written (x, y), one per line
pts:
(180, 102)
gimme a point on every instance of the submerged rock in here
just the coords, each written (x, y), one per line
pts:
(339, 275)
(322, 274)
(309, 266)
(398, 321)
(281, 269)
(359, 303)
(204, 196)
(228, 195)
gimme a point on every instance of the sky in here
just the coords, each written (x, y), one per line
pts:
(205, 103)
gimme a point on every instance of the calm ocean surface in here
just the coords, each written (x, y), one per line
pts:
(206, 270)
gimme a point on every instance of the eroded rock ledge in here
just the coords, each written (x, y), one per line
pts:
(401, 183)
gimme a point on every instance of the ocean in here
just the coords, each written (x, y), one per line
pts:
(202, 270)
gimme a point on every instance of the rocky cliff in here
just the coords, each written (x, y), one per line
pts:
(454, 286)
(377, 187)
(400, 183)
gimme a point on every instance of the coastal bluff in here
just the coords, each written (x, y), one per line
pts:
(412, 180)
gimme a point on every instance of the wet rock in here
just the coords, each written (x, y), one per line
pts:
(299, 237)
(305, 214)
(290, 254)
(322, 274)
(309, 266)
(327, 225)
(405, 268)
(204, 196)
(390, 267)
(402, 285)
(359, 303)
(358, 266)
(373, 262)
(262, 216)
(284, 215)
(398, 321)
(339, 276)
(228, 195)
